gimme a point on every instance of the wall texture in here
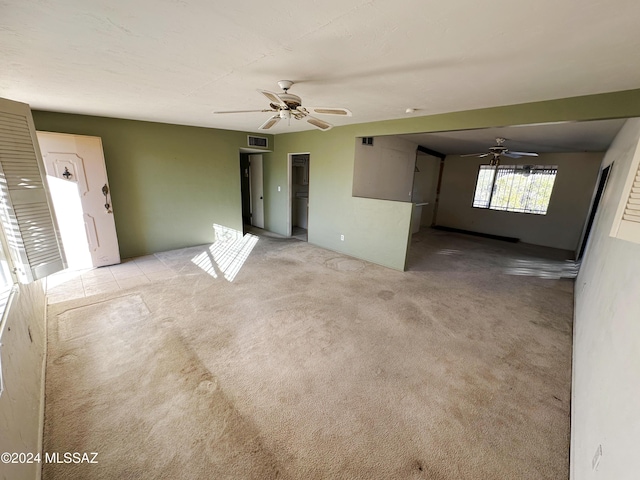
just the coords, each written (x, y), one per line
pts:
(23, 352)
(606, 357)
(561, 227)
(385, 169)
(169, 183)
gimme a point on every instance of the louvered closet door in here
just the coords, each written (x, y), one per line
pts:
(28, 222)
(629, 228)
(627, 223)
(632, 209)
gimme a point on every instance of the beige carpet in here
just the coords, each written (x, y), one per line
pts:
(314, 365)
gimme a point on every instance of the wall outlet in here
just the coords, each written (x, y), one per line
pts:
(342, 238)
(279, 188)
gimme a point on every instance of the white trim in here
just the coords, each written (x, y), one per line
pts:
(254, 150)
(289, 194)
(3, 323)
(5, 312)
(593, 199)
(290, 190)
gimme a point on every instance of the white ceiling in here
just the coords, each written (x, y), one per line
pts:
(179, 60)
(593, 136)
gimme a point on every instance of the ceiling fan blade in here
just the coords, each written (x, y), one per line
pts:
(481, 155)
(273, 97)
(524, 154)
(320, 124)
(343, 112)
(512, 155)
(270, 123)
(245, 111)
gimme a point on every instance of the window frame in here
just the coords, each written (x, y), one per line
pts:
(514, 169)
(7, 273)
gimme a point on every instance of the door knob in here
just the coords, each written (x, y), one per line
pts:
(105, 192)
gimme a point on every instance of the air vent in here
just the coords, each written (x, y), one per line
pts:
(258, 141)
(367, 141)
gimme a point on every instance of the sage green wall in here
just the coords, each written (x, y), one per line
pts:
(374, 230)
(378, 230)
(169, 183)
(384, 170)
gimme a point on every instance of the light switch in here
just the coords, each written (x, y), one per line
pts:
(278, 187)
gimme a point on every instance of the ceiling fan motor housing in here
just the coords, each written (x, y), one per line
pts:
(292, 101)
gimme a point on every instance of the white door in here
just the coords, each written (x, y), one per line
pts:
(256, 189)
(77, 179)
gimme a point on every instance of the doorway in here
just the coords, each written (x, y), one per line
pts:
(77, 179)
(256, 190)
(252, 190)
(602, 183)
(298, 211)
(425, 186)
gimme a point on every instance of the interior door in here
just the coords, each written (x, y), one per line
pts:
(602, 183)
(77, 179)
(257, 193)
(425, 186)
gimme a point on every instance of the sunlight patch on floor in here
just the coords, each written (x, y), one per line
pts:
(449, 251)
(549, 269)
(226, 256)
(63, 277)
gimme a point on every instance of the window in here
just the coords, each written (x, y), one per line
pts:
(515, 188)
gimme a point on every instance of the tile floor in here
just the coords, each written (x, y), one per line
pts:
(73, 284)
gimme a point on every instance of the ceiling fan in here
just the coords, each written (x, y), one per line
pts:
(287, 105)
(498, 150)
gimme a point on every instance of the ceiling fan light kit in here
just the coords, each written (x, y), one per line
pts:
(287, 105)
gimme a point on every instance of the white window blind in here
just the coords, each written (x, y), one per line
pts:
(28, 222)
